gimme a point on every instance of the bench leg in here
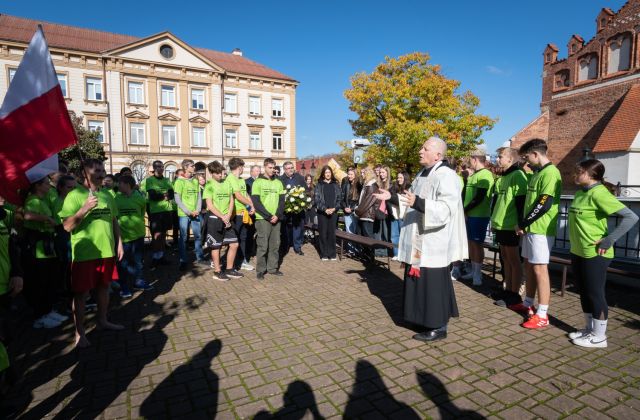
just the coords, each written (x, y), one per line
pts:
(564, 280)
(341, 248)
(493, 272)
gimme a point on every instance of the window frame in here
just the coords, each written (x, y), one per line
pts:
(280, 136)
(204, 137)
(273, 108)
(89, 81)
(235, 102)
(173, 90)
(203, 93)
(258, 134)
(175, 135)
(259, 102)
(140, 127)
(102, 129)
(234, 144)
(65, 76)
(129, 98)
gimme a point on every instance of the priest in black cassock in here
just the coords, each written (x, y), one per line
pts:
(432, 237)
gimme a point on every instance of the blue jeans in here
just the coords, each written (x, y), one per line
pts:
(351, 226)
(131, 265)
(395, 235)
(292, 232)
(195, 229)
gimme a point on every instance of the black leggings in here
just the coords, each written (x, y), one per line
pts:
(327, 238)
(590, 276)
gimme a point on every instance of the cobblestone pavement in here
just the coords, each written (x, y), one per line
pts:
(326, 339)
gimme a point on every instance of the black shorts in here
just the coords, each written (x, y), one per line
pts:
(161, 222)
(218, 235)
(507, 238)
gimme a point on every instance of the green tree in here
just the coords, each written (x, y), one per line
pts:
(88, 143)
(403, 102)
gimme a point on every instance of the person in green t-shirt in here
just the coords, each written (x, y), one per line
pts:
(220, 203)
(267, 195)
(592, 247)
(188, 200)
(89, 214)
(42, 267)
(108, 185)
(160, 195)
(11, 278)
(131, 207)
(243, 222)
(538, 228)
(510, 192)
(477, 210)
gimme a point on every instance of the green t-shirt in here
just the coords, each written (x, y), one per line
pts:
(238, 185)
(131, 216)
(93, 238)
(269, 191)
(220, 194)
(546, 181)
(52, 196)
(110, 191)
(37, 205)
(507, 188)
(588, 220)
(162, 186)
(482, 179)
(188, 190)
(5, 261)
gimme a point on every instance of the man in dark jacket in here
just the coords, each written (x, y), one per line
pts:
(293, 223)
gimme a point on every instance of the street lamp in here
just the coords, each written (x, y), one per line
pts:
(303, 169)
(586, 154)
(313, 168)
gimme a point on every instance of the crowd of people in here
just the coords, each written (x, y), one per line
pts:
(79, 238)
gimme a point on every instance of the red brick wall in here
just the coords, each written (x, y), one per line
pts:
(537, 129)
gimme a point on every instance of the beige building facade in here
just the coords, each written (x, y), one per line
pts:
(159, 98)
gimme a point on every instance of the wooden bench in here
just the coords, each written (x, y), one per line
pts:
(343, 237)
(565, 263)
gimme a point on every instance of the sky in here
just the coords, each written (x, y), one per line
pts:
(494, 48)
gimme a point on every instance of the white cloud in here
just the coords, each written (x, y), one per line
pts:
(497, 71)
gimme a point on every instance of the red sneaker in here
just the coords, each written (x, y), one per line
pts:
(525, 310)
(536, 321)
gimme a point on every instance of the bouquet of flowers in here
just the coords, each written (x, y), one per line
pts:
(296, 200)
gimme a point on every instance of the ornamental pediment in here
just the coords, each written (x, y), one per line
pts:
(168, 117)
(198, 119)
(136, 114)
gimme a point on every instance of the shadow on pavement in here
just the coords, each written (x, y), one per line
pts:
(435, 390)
(298, 400)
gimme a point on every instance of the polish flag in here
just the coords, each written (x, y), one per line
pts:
(34, 121)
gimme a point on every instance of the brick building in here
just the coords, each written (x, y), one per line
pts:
(591, 99)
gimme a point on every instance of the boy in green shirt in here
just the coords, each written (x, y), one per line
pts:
(188, 200)
(89, 214)
(267, 195)
(477, 209)
(160, 195)
(220, 202)
(510, 193)
(243, 212)
(131, 207)
(538, 229)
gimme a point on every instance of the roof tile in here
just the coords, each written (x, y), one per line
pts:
(623, 127)
(17, 29)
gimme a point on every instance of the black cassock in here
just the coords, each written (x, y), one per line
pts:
(429, 300)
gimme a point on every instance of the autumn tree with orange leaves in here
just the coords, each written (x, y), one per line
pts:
(403, 102)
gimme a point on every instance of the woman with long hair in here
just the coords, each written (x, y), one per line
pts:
(350, 197)
(366, 210)
(382, 224)
(328, 199)
(592, 247)
(399, 186)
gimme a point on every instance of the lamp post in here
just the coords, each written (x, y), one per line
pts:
(303, 169)
(313, 168)
(586, 154)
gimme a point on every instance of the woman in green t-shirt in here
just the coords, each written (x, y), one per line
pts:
(592, 247)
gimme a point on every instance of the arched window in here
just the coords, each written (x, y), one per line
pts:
(170, 169)
(619, 54)
(588, 67)
(562, 79)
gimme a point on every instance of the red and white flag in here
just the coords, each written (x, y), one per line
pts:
(34, 121)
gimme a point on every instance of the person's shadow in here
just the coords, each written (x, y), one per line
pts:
(200, 383)
(297, 401)
(436, 391)
(368, 382)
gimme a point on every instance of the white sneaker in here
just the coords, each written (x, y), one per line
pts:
(246, 266)
(591, 341)
(455, 273)
(325, 259)
(334, 259)
(45, 322)
(56, 316)
(394, 259)
(579, 333)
